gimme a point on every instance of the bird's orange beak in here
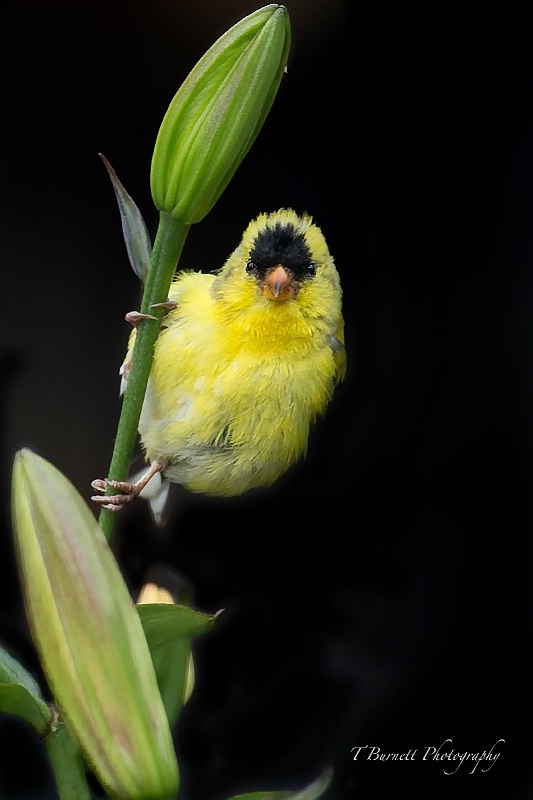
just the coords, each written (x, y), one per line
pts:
(278, 284)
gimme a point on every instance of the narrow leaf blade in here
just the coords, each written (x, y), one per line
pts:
(134, 228)
(19, 702)
(12, 671)
(165, 623)
(311, 792)
(174, 669)
(173, 662)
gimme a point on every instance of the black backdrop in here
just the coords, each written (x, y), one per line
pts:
(378, 594)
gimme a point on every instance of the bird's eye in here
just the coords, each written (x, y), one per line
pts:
(250, 266)
(311, 269)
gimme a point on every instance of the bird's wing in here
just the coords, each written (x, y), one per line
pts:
(336, 342)
(125, 366)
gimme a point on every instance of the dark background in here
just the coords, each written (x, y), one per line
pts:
(379, 593)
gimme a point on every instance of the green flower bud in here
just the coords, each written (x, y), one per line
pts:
(217, 113)
(89, 636)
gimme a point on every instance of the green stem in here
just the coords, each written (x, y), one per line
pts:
(169, 241)
(67, 764)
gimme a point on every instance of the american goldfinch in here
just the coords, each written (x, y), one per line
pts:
(244, 364)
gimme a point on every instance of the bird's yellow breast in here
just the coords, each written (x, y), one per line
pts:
(235, 385)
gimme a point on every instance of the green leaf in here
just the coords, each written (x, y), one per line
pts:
(89, 636)
(173, 662)
(18, 701)
(174, 670)
(165, 622)
(12, 671)
(20, 694)
(134, 228)
(311, 792)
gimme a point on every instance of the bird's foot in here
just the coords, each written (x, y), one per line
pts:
(168, 305)
(126, 492)
(134, 317)
(113, 502)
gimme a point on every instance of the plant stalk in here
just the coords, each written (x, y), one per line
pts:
(67, 764)
(169, 241)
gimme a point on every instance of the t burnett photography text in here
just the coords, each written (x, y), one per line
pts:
(451, 757)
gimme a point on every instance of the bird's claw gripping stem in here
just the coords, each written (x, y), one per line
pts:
(126, 491)
(134, 317)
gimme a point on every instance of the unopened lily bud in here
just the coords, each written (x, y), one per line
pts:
(217, 113)
(89, 636)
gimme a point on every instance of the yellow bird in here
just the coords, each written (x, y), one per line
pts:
(244, 364)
